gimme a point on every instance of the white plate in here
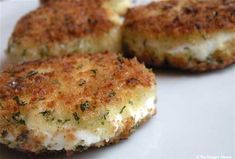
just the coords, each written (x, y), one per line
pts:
(195, 112)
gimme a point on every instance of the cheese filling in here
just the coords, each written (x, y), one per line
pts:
(57, 139)
(86, 138)
(202, 50)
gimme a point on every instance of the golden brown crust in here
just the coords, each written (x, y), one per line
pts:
(176, 18)
(219, 61)
(87, 77)
(62, 21)
(46, 1)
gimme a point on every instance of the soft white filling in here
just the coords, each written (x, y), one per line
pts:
(144, 111)
(10, 137)
(87, 138)
(201, 50)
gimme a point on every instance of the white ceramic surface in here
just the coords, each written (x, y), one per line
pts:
(195, 117)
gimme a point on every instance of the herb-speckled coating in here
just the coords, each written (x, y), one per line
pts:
(63, 95)
(176, 33)
(65, 26)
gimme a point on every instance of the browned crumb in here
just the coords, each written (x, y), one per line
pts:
(181, 17)
(62, 21)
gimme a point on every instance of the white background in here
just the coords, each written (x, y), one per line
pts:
(195, 112)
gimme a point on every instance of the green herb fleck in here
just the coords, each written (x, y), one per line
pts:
(56, 81)
(105, 115)
(48, 115)
(81, 148)
(19, 102)
(17, 118)
(76, 117)
(82, 82)
(84, 106)
(24, 53)
(31, 73)
(41, 98)
(130, 102)
(63, 121)
(135, 126)
(102, 122)
(80, 66)
(122, 109)
(94, 71)
(120, 59)
(66, 120)
(1, 106)
(44, 51)
(112, 94)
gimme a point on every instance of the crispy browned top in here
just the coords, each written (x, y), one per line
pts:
(45, 1)
(61, 21)
(177, 17)
(51, 1)
(71, 81)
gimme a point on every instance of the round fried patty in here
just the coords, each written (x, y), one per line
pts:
(118, 6)
(74, 102)
(65, 27)
(194, 35)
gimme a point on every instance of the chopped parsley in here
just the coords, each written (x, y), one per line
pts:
(76, 117)
(41, 98)
(19, 102)
(105, 115)
(130, 102)
(102, 122)
(44, 51)
(17, 118)
(136, 126)
(81, 148)
(145, 42)
(56, 82)
(82, 82)
(31, 73)
(80, 66)
(94, 71)
(120, 59)
(1, 106)
(112, 94)
(48, 115)
(24, 53)
(84, 106)
(63, 121)
(122, 109)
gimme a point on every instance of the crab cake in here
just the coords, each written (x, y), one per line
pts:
(191, 35)
(74, 102)
(118, 6)
(65, 26)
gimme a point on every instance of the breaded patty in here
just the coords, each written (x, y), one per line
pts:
(74, 102)
(191, 35)
(65, 26)
(118, 6)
